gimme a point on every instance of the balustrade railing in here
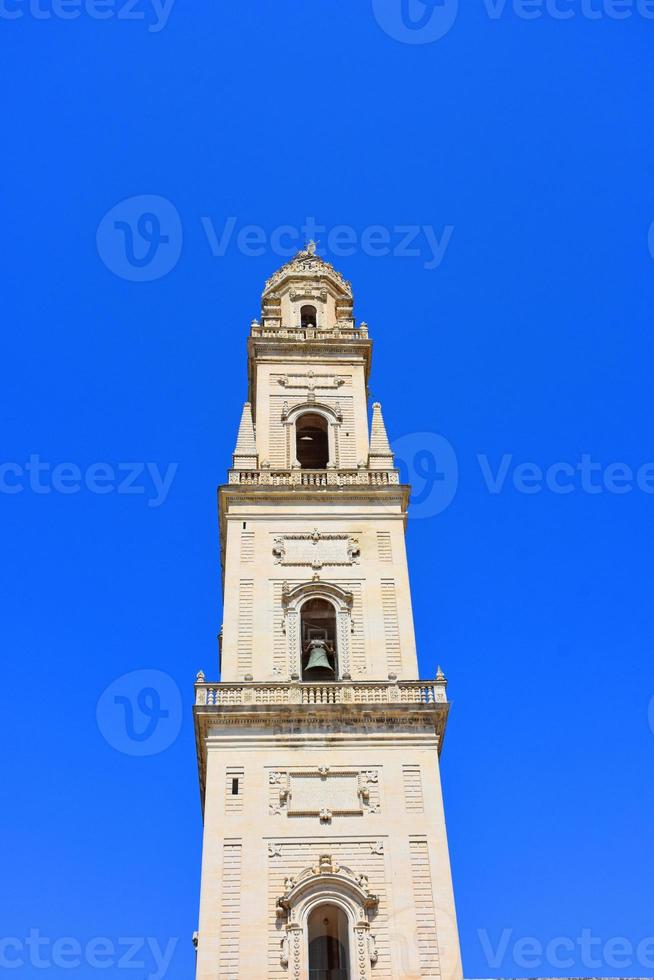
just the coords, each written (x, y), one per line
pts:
(346, 692)
(315, 478)
(309, 333)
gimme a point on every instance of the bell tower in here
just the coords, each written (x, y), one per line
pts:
(325, 853)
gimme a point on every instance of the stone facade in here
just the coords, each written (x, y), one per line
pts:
(318, 749)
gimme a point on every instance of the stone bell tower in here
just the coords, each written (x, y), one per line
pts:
(325, 853)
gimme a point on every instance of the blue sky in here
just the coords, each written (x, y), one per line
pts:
(522, 146)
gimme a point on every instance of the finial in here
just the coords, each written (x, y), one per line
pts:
(311, 247)
(199, 677)
(440, 676)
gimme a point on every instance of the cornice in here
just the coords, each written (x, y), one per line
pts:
(262, 348)
(344, 722)
(393, 495)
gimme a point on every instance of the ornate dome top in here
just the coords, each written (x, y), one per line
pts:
(306, 266)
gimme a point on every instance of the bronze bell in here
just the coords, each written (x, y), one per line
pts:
(318, 657)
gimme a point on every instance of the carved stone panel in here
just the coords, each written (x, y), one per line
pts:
(311, 381)
(324, 795)
(315, 550)
(322, 792)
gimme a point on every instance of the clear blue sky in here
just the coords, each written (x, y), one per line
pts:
(530, 335)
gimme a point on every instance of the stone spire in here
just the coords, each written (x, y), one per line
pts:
(245, 454)
(381, 457)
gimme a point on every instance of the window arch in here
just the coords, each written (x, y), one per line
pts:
(312, 441)
(308, 317)
(344, 944)
(319, 643)
(315, 415)
(329, 943)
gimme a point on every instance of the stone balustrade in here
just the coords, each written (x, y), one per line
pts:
(315, 478)
(277, 332)
(345, 692)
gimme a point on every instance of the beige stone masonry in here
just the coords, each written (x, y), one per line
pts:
(321, 792)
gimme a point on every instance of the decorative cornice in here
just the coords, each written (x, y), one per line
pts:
(350, 346)
(348, 719)
(258, 487)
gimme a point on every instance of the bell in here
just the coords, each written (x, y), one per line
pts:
(318, 657)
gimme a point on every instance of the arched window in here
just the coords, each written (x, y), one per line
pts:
(308, 317)
(328, 911)
(319, 654)
(332, 619)
(312, 442)
(329, 947)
